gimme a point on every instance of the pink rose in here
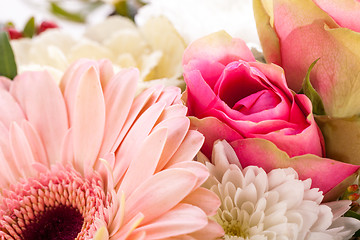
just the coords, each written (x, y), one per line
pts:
(233, 97)
(247, 103)
(294, 33)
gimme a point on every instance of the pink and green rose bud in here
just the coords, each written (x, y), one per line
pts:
(231, 96)
(294, 33)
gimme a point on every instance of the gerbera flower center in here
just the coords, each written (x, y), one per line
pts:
(62, 223)
(59, 204)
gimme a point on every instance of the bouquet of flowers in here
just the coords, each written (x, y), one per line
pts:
(132, 132)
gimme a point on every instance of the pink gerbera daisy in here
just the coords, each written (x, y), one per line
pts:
(88, 160)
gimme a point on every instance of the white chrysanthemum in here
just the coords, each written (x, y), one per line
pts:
(196, 18)
(155, 49)
(277, 205)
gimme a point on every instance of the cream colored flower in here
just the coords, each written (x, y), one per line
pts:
(155, 48)
(277, 205)
(196, 18)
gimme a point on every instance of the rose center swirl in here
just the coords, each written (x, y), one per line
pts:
(59, 204)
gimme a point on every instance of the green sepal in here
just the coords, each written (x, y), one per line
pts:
(29, 29)
(310, 92)
(7, 59)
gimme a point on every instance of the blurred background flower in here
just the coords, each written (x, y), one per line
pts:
(155, 49)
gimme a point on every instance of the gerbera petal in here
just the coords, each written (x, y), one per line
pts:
(197, 168)
(119, 95)
(9, 108)
(89, 123)
(140, 104)
(204, 199)
(144, 165)
(135, 136)
(182, 219)
(21, 150)
(166, 189)
(188, 148)
(102, 234)
(106, 72)
(177, 129)
(212, 230)
(9, 173)
(31, 89)
(37, 147)
(128, 227)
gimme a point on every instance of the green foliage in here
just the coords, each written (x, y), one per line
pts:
(30, 28)
(7, 59)
(61, 12)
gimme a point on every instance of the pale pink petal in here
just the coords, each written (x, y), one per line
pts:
(198, 169)
(345, 12)
(9, 108)
(106, 72)
(140, 104)
(170, 95)
(177, 129)
(177, 110)
(205, 199)
(140, 129)
(37, 147)
(89, 122)
(128, 228)
(70, 83)
(188, 148)
(119, 95)
(37, 93)
(9, 174)
(165, 189)
(144, 164)
(5, 83)
(211, 231)
(118, 211)
(67, 147)
(21, 151)
(182, 219)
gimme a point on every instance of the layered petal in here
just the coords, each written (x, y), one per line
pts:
(323, 172)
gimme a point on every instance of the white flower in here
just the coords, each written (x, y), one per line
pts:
(277, 205)
(155, 49)
(196, 18)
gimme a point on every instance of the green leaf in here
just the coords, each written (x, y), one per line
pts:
(29, 29)
(57, 10)
(310, 92)
(7, 60)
